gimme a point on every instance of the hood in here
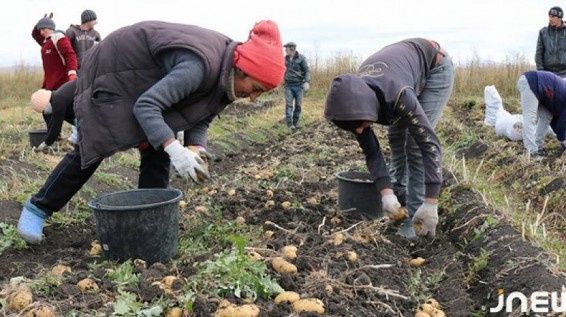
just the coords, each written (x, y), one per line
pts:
(350, 99)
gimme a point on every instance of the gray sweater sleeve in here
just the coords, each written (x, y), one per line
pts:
(185, 73)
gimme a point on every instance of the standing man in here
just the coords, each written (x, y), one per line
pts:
(84, 36)
(551, 44)
(140, 86)
(404, 86)
(297, 82)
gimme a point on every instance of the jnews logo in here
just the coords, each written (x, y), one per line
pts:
(540, 302)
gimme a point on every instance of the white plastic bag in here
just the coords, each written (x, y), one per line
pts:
(509, 125)
(493, 103)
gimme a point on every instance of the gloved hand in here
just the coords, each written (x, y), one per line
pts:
(204, 155)
(72, 77)
(186, 162)
(426, 219)
(50, 15)
(43, 148)
(306, 86)
(392, 207)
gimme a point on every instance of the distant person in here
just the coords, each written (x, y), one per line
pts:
(142, 85)
(405, 86)
(57, 54)
(84, 36)
(543, 102)
(297, 82)
(551, 44)
(56, 107)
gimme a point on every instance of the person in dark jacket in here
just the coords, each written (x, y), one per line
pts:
(543, 102)
(297, 82)
(56, 107)
(142, 85)
(405, 86)
(551, 47)
(84, 36)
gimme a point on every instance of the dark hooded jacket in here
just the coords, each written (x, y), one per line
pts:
(62, 110)
(125, 64)
(385, 90)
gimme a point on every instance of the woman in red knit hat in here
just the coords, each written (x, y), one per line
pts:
(140, 86)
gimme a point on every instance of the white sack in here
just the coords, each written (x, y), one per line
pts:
(493, 103)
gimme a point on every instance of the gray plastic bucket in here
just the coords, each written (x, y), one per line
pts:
(37, 136)
(138, 224)
(358, 196)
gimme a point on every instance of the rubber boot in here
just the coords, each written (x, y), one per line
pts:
(406, 230)
(30, 225)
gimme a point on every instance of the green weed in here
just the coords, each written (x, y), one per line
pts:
(9, 239)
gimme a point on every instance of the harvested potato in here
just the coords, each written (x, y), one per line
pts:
(269, 204)
(427, 308)
(286, 205)
(401, 214)
(289, 251)
(174, 312)
(212, 192)
(247, 310)
(433, 302)
(352, 256)
(41, 310)
(59, 269)
(257, 176)
(255, 256)
(437, 313)
(282, 266)
(232, 192)
(87, 284)
(418, 227)
(169, 280)
(329, 289)
(240, 220)
(309, 305)
(268, 234)
(140, 263)
(312, 201)
(19, 299)
(96, 249)
(287, 297)
(338, 238)
(339, 255)
(335, 220)
(269, 193)
(201, 209)
(417, 261)
(182, 204)
(421, 313)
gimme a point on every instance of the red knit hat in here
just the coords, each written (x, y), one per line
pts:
(261, 56)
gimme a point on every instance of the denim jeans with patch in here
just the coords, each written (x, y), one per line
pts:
(407, 168)
(293, 93)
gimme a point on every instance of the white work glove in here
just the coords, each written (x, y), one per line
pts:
(392, 207)
(43, 148)
(425, 220)
(186, 162)
(306, 86)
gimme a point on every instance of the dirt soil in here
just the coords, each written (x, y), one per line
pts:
(381, 282)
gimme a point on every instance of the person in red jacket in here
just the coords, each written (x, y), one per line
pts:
(57, 54)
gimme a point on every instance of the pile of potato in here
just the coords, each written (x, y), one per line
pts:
(431, 308)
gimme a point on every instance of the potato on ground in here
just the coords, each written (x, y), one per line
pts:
(309, 305)
(282, 266)
(289, 251)
(287, 297)
(247, 310)
(19, 299)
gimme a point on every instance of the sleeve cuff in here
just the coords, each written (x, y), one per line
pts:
(432, 190)
(383, 182)
(72, 72)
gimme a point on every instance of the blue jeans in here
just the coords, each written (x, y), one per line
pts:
(407, 169)
(293, 93)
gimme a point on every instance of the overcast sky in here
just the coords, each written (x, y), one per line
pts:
(491, 29)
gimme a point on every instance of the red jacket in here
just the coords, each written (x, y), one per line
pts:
(56, 72)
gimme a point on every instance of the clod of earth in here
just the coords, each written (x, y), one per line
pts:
(309, 305)
(86, 285)
(417, 261)
(60, 269)
(282, 266)
(286, 205)
(287, 297)
(289, 251)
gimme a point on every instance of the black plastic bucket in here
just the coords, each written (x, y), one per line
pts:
(358, 196)
(37, 136)
(138, 224)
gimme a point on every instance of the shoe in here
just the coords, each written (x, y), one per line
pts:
(297, 123)
(30, 225)
(406, 230)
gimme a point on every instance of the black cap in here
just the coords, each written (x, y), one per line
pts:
(87, 16)
(556, 12)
